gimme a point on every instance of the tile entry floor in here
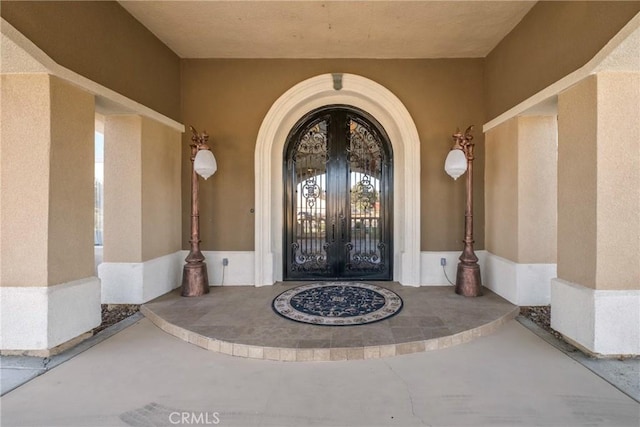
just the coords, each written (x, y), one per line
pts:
(240, 320)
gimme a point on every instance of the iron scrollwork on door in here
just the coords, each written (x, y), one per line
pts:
(309, 249)
(338, 203)
(365, 251)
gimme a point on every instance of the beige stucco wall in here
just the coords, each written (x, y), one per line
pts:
(501, 190)
(24, 210)
(618, 231)
(598, 182)
(537, 189)
(577, 183)
(230, 98)
(161, 197)
(71, 180)
(122, 189)
(520, 190)
(47, 181)
(142, 217)
(103, 42)
(554, 39)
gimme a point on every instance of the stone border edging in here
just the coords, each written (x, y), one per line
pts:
(324, 354)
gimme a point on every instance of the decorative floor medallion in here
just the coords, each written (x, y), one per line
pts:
(337, 303)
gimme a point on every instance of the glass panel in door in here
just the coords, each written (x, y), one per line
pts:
(337, 197)
(366, 248)
(309, 248)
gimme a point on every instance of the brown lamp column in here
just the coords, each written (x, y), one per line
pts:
(459, 160)
(195, 281)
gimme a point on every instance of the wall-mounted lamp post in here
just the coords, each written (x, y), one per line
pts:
(195, 281)
(460, 160)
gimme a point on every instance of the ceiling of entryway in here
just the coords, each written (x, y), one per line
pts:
(329, 29)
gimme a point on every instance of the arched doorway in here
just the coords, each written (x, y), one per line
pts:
(379, 102)
(338, 172)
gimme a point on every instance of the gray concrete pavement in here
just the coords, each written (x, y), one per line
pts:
(623, 373)
(144, 377)
(18, 370)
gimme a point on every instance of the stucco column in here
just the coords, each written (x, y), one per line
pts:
(596, 298)
(142, 210)
(123, 189)
(46, 205)
(520, 208)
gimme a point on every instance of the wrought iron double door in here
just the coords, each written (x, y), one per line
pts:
(338, 198)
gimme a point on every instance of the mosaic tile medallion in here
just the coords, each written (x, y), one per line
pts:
(337, 303)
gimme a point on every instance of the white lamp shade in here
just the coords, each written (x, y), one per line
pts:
(456, 163)
(205, 164)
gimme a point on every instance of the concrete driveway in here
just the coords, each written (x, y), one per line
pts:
(145, 377)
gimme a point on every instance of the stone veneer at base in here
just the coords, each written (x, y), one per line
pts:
(520, 284)
(601, 322)
(139, 282)
(38, 318)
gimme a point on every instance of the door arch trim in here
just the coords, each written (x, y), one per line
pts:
(389, 111)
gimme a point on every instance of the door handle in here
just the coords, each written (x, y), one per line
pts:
(333, 232)
(343, 225)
